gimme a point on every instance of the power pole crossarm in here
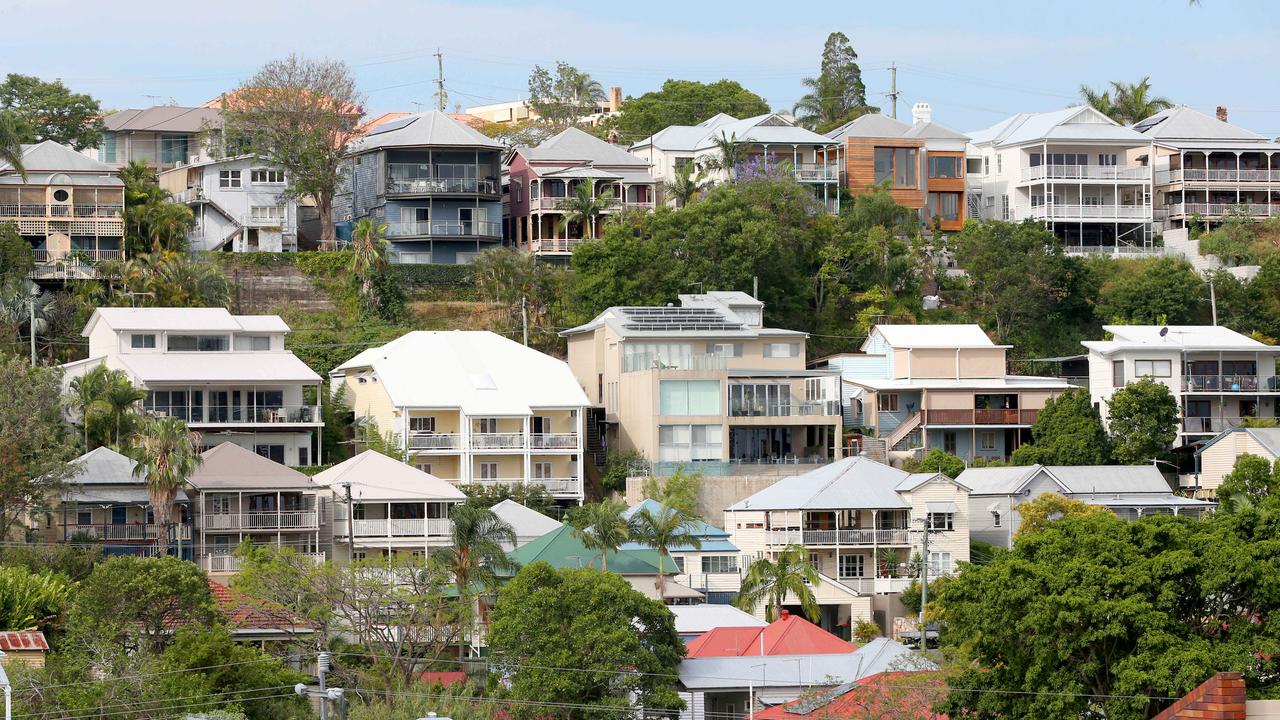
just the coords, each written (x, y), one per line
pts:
(442, 99)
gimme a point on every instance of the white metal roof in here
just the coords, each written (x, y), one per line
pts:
(698, 619)
(739, 671)
(768, 128)
(182, 319)
(104, 466)
(852, 482)
(1006, 382)
(211, 368)
(574, 145)
(374, 476)
(1074, 480)
(1176, 338)
(231, 467)
(1081, 123)
(870, 125)
(479, 372)
(525, 522)
(933, 336)
(424, 129)
(1185, 123)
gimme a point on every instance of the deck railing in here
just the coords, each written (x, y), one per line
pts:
(412, 228)
(1108, 173)
(283, 520)
(896, 536)
(1092, 212)
(435, 441)
(402, 527)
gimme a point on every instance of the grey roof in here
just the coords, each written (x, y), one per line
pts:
(49, 158)
(934, 131)
(95, 495)
(374, 477)
(1074, 479)
(701, 618)
(582, 171)
(1268, 438)
(786, 671)
(575, 146)
(870, 125)
(164, 118)
(764, 129)
(231, 467)
(1175, 338)
(852, 482)
(1185, 123)
(1166, 499)
(425, 129)
(525, 522)
(1074, 123)
(104, 466)
(707, 316)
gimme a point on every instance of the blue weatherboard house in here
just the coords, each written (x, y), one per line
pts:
(714, 568)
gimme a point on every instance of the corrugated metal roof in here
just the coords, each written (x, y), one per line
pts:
(425, 129)
(879, 655)
(104, 466)
(788, 635)
(934, 131)
(872, 125)
(768, 128)
(1185, 123)
(852, 482)
(22, 640)
(177, 319)
(574, 145)
(211, 368)
(231, 467)
(52, 157)
(374, 476)
(933, 336)
(164, 118)
(526, 523)
(701, 618)
(1177, 335)
(1074, 123)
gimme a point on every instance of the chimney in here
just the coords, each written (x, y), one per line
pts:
(921, 112)
(1222, 113)
(615, 99)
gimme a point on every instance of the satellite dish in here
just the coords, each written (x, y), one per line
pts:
(1164, 331)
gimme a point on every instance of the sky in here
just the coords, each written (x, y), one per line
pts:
(974, 62)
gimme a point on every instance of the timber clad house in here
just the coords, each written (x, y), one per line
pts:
(239, 204)
(163, 137)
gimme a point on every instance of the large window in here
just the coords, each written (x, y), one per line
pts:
(897, 165)
(719, 564)
(782, 350)
(197, 343)
(687, 443)
(1117, 373)
(267, 213)
(272, 452)
(140, 341)
(266, 176)
(853, 566)
(944, 205)
(656, 356)
(940, 563)
(108, 154)
(167, 403)
(422, 424)
(941, 521)
(759, 399)
(228, 179)
(1037, 159)
(1153, 368)
(689, 397)
(173, 148)
(944, 166)
(253, 343)
(887, 402)
(725, 349)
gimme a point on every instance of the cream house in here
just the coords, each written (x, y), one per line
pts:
(1216, 458)
(473, 408)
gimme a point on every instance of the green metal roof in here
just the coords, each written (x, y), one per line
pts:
(560, 549)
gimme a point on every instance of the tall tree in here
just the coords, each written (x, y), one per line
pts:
(561, 99)
(1068, 431)
(1143, 419)
(601, 526)
(771, 582)
(585, 207)
(728, 156)
(153, 222)
(689, 182)
(299, 114)
(166, 455)
(686, 102)
(84, 392)
(1159, 291)
(662, 530)
(369, 248)
(837, 95)
(11, 135)
(16, 262)
(50, 111)
(477, 548)
(36, 445)
(166, 279)
(1126, 103)
(120, 399)
(1251, 481)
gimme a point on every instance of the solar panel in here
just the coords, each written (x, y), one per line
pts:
(393, 125)
(677, 318)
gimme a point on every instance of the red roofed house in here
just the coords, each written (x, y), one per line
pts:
(906, 695)
(443, 678)
(256, 621)
(788, 635)
(23, 646)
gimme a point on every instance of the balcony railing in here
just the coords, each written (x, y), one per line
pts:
(554, 246)
(420, 179)
(555, 486)
(72, 256)
(1001, 416)
(1226, 383)
(497, 441)
(1220, 209)
(24, 210)
(897, 536)
(435, 441)
(640, 362)
(817, 172)
(402, 527)
(476, 228)
(240, 415)
(795, 409)
(128, 532)
(1244, 175)
(230, 563)
(1058, 211)
(1108, 173)
(283, 520)
(553, 441)
(1209, 425)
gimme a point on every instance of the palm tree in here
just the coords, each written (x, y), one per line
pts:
(663, 530)
(11, 142)
(119, 399)
(587, 91)
(167, 224)
(601, 526)
(771, 581)
(368, 253)
(85, 395)
(166, 454)
(729, 153)
(584, 206)
(1126, 103)
(689, 181)
(477, 549)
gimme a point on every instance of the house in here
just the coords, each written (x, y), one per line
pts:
(909, 695)
(68, 208)
(922, 164)
(433, 181)
(239, 204)
(163, 137)
(1129, 491)
(229, 377)
(1219, 376)
(241, 495)
(526, 523)
(382, 506)
(1217, 456)
(1067, 169)
(918, 387)
(473, 407)
(1222, 696)
(514, 111)
(1207, 169)
(768, 143)
(257, 621)
(788, 635)
(543, 178)
(862, 524)
(23, 646)
(737, 686)
(711, 567)
(104, 502)
(695, 620)
(704, 385)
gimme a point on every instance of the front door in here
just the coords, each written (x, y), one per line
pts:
(421, 221)
(466, 218)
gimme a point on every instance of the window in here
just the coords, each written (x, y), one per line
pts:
(108, 154)
(949, 441)
(986, 166)
(987, 440)
(689, 397)
(517, 190)
(759, 399)
(883, 164)
(1117, 373)
(253, 343)
(656, 356)
(487, 426)
(1004, 207)
(852, 566)
(679, 561)
(197, 343)
(940, 563)
(1091, 201)
(422, 424)
(303, 454)
(973, 166)
(542, 471)
(995, 518)
(84, 517)
(1153, 368)
(688, 443)
(782, 350)
(940, 521)
(534, 190)
(887, 402)
(727, 350)
(897, 165)
(944, 166)
(267, 213)
(266, 176)
(173, 148)
(945, 206)
(139, 341)
(228, 178)
(273, 452)
(1106, 158)
(488, 471)
(424, 467)
(990, 201)
(719, 564)
(220, 504)
(999, 163)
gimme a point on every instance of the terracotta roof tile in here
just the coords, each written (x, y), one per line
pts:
(18, 640)
(788, 635)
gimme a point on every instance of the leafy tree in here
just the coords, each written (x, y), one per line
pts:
(299, 114)
(662, 530)
(153, 222)
(771, 582)
(680, 490)
(1240, 239)
(16, 260)
(1251, 481)
(1068, 431)
(119, 406)
(584, 207)
(1159, 291)
(730, 152)
(937, 460)
(30, 600)
(165, 279)
(35, 443)
(621, 644)
(532, 496)
(73, 562)
(689, 182)
(601, 526)
(1037, 514)
(477, 550)
(529, 133)
(166, 454)
(1126, 103)
(11, 134)
(372, 438)
(237, 673)
(517, 282)
(1143, 418)
(369, 248)
(838, 94)
(50, 111)
(686, 102)
(565, 97)
(283, 583)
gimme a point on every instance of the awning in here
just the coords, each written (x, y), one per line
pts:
(993, 508)
(942, 507)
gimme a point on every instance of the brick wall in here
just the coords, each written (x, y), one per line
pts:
(1221, 697)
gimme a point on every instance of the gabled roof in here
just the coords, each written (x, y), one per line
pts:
(374, 476)
(933, 131)
(526, 523)
(48, 158)
(774, 671)
(684, 137)
(1175, 337)
(248, 615)
(788, 635)
(1111, 485)
(907, 695)
(767, 128)
(214, 319)
(165, 118)
(425, 129)
(576, 146)
(933, 336)
(708, 315)
(478, 371)
(1185, 123)
(712, 538)
(561, 549)
(1268, 438)
(1082, 123)
(871, 125)
(851, 482)
(231, 467)
(699, 619)
(104, 466)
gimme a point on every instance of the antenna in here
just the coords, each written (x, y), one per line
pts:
(442, 98)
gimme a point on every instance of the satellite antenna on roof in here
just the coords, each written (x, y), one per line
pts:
(1164, 331)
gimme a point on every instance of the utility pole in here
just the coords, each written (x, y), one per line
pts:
(893, 89)
(324, 693)
(924, 583)
(1213, 300)
(442, 98)
(351, 533)
(31, 308)
(524, 318)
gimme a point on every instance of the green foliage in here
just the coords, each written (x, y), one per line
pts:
(601, 526)
(370, 437)
(910, 597)
(16, 261)
(680, 490)
(1048, 508)
(1143, 418)
(451, 702)
(837, 95)
(31, 601)
(1126, 103)
(1251, 482)
(237, 673)
(662, 530)
(153, 222)
(1068, 431)
(621, 643)
(73, 562)
(418, 276)
(686, 102)
(562, 99)
(532, 496)
(130, 601)
(106, 401)
(771, 582)
(1159, 291)
(476, 554)
(981, 553)
(516, 282)
(12, 131)
(1252, 306)
(620, 465)
(166, 453)
(35, 442)
(164, 279)
(50, 111)
(936, 460)
(864, 631)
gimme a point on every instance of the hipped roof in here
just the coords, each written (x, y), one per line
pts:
(231, 467)
(374, 476)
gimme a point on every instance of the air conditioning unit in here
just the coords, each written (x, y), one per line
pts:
(193, 159)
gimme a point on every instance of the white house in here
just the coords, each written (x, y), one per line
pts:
(229, 377)
(1066, 168)
(239, 204)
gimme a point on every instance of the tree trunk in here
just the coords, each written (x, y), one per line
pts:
(328, 234)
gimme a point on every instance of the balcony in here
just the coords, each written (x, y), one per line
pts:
(402, 527)
(236, 415)
(878, 585)
(419, 179)
(231, 563)
(640, 362)
(796, 409)
(1209, 425)
(283, 520)
(435, 441)
(1243, 175)
(1002, 416)
(1226, 383)
(1101, 173)
(24, 210)
(817, 172)
(554, 486)
(74, 256)
(497, 441)
(126, 532)
(554, 246)
(1057, 211)
(812, 538)
(553, 441)
(1220, 209)
(472, 229)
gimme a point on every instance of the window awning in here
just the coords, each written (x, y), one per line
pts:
(942, 507)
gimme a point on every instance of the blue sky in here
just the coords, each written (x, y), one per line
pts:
(975, 62)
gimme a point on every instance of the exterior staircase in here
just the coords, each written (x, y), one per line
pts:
(904, 430)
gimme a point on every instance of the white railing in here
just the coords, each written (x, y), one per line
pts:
(1134, 250)
(1214, 175)
(555, 486)
(554, 245)
(242, 415)
(41, 210)
(636, 204)
(284, 520)
(1220, 209)
(838, 537)
(435, 441)
(1092, 212)
(1109, 173)
(477, 228)
(402, 527)
(817, 172)
(497, 441)
(71, 256)
(420, 179)
(128, 532)
(640, 362)
(795, 409)
(231, 563)
(879, 585)
(553, 441)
